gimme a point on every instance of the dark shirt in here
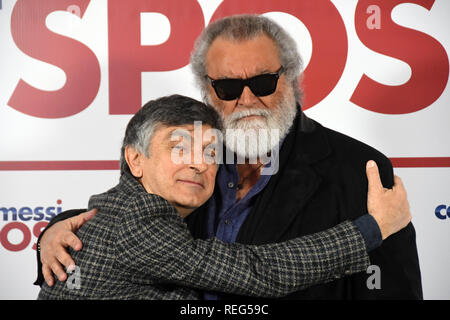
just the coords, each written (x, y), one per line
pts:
(225, 214)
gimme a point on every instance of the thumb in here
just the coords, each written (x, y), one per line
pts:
(83, 218)
(373, 177)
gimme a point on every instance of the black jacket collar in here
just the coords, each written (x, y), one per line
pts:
(299, 176)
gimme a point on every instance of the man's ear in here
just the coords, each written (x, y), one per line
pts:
(134, 161)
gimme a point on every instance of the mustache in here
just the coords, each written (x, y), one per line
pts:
(236, 116)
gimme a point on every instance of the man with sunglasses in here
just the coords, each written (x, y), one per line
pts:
(261, 85)
(248, 68)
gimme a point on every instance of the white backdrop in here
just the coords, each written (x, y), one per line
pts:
(34, 141)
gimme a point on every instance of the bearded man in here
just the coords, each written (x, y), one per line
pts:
(248, 68)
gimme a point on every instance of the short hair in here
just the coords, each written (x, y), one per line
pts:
(174, 110)
(247, 27)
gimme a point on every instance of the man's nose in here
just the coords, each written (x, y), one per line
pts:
(247, 97)
(199, 167)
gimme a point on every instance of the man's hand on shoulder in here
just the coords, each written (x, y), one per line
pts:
(53, 246)
(389, 207)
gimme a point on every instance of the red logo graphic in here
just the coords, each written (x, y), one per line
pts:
(16, 219)
(128, 58)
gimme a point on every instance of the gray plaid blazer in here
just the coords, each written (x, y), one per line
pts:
(138, 247)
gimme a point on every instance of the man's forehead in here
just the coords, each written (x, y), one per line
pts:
(167, 131)
(242, 58)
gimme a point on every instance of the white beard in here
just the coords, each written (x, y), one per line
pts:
(256, 138)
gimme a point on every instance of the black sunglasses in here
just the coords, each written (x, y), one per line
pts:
(261, 85)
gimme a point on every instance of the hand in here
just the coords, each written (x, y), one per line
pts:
(389, 207)
(53, 246)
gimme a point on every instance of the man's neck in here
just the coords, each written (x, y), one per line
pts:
(249, 174)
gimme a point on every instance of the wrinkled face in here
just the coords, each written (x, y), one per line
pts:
(245, 59)
(185, 184)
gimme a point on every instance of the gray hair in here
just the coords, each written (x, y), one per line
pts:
(174, 110)
(246, 27)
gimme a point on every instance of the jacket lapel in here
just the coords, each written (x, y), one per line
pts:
(292, 187)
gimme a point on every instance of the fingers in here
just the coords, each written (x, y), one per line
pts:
(373, 177)
(64, 258)
(400, 190)
(54, 256)
(50, 267)
(398, 184)
(77, 221)
(58, 270)
(71, 240)
(88, 215)
(55, 265)
(48, 275)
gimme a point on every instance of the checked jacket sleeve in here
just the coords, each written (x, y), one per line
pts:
(154, 245)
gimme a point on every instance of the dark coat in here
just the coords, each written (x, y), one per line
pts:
(320, 183)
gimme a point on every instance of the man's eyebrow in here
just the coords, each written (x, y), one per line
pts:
(263, 71)
(179, 132)
(188, 133)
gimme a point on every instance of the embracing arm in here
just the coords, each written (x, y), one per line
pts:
(62, 235)
(396, 273)
(390, 210)
(154, 245)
